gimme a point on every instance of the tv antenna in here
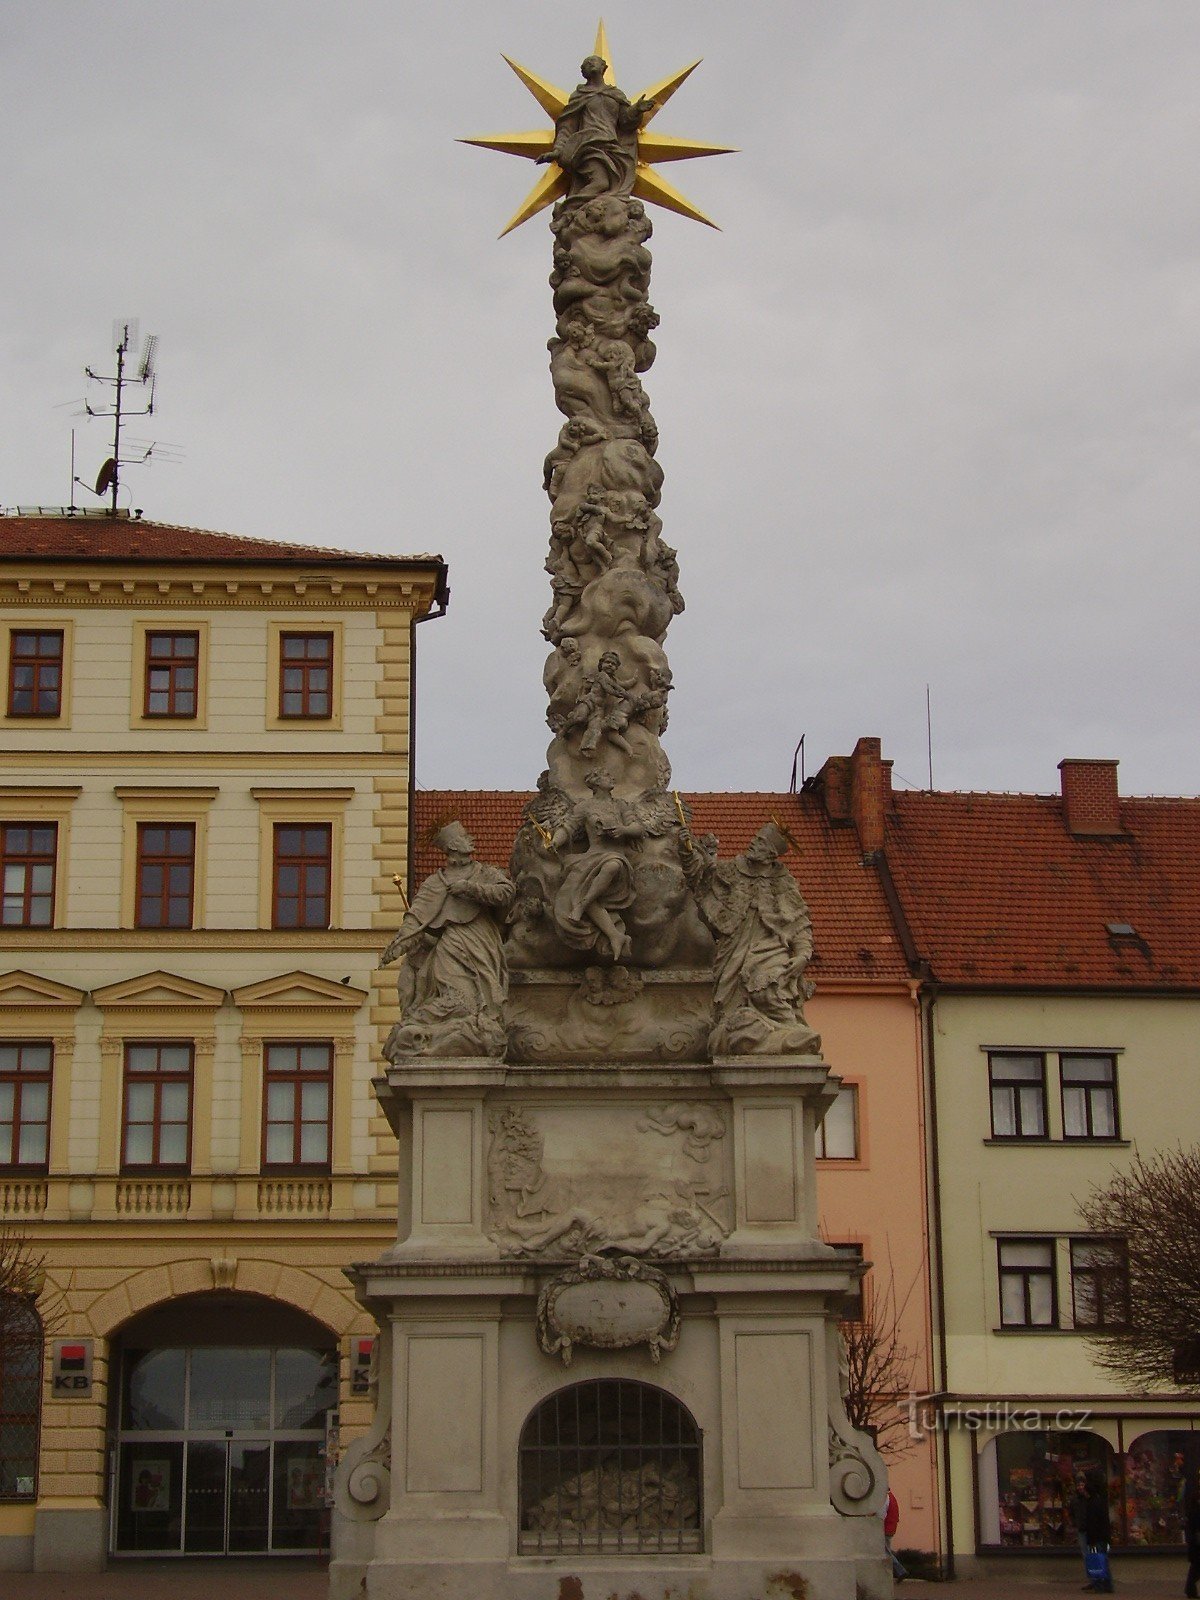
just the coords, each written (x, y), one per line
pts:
(125, 333)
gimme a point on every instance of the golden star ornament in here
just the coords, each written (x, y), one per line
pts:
(651, 147)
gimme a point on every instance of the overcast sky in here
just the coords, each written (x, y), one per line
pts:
(929, 402)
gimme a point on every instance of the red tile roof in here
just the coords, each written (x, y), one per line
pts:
(852, 927)
(997, 892)
(91, 538)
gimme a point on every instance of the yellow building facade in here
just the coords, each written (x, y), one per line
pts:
(205, 797)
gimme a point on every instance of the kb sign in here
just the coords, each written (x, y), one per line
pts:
(71, 1370)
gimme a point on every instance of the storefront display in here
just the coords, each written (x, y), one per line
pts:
(1027, 1481)
(1035, 1479)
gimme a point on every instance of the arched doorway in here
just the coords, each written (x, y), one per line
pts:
(220, 1405)
(612, 1465)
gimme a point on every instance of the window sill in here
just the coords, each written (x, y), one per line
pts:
(1056, 1331)
(1059, 1144)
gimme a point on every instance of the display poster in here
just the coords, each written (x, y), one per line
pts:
(150, 1489)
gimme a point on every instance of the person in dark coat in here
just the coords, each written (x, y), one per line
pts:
(1097, 1526)
(1191, 1533)
(1078, 1514)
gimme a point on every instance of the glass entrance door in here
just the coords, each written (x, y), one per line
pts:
(227, 1503)
(221, 1450)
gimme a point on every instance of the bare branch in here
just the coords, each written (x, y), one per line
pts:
(879, 1364)
(1147, 1223)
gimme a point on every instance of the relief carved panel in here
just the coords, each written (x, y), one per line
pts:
(646, 1180)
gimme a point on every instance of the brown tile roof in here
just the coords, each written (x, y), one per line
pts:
(996, 891)
(91, 538)
(852, 928)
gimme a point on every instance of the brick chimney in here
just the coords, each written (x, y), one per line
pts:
(833, 782)
(870, 793)
(1091, 808)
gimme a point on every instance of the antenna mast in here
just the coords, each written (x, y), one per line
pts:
(124, 338)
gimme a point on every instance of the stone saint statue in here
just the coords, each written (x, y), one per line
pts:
(595, 136)
(598, 883)
(763, 935)
(454, 980)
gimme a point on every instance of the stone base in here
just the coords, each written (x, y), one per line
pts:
(620, 1578)
(16, 1552)
(70, 1540)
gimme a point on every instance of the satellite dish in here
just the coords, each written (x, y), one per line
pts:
(107, 473)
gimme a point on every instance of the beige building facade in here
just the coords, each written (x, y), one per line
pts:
(1059, 946)
(205, 797)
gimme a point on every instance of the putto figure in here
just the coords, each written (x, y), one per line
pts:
(595, 136)
(763, 935)
(454, 979)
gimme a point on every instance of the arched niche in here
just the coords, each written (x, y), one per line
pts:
(610, 1464)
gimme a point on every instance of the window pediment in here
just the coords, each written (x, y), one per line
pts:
(154, 989)
(299, 989)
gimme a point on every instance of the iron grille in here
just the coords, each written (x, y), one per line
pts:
(612, 1465)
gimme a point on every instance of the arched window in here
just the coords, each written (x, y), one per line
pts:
(612, 1465)
(20, 1396)
(1034, 1475)
(1160, 1470)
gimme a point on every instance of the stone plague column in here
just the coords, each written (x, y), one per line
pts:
(603, 1083)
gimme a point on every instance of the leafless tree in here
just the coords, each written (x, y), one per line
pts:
(1145, 1268)
(22, 1282)
(879, 1363)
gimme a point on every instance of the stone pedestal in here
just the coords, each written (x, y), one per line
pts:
(638, 1184)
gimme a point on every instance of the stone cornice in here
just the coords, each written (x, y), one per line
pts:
(223, 589)
(203, 755)
(58, 940)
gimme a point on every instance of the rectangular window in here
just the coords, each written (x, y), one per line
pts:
(1018, 1088)
(25, 1069)
(306, 675)
(156, 1125)
(1099, 1283)
(837, 1136)
(166, 874)
(303, 857)
(1089, 1097)
(35, 673)
(172, 674)
(297, 1101)
(1027, 1295)
(28, 851)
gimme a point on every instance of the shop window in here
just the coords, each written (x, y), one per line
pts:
(172, 674)
(20, 1396)
(166, 874)
(297, 1100)
(1035, 1480)
(1018, 1090)
(25, 1071)
(1099, 1283)
(156, 1125)
(302, 871)
(28, 853)
(35, 673)
(1160, 1473)
(1027, 1290)
(609, 1465)
(1089, 1097)
(837, 1135)
(306, 675)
